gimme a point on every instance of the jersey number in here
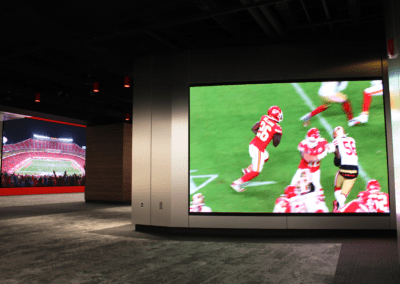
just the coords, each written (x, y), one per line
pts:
(349, 146)
(380, 201)
(263, 131)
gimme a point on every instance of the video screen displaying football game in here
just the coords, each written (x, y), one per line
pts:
(40, 154)
(284, 148)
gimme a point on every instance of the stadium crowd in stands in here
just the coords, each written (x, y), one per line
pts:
(14, 180)
(30, 144)
(15, 154)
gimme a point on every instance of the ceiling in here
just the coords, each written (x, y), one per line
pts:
(59, 50)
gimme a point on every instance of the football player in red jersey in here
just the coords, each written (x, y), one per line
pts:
(266, 129)
(331, 92)
(312, 150)
(370, 201)
(376, 89)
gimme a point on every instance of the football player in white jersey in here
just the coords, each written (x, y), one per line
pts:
(331, 92)
(376, 89)
(347, 160)
(301, 198)
(197, 204)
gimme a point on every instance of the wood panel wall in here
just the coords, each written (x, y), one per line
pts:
(108, 163)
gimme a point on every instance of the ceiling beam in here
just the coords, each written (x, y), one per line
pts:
(164, 41)
(327, 14)
(307, 15)
(270, 15)
(190, 19)
(262, 21)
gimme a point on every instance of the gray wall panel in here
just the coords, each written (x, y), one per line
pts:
(161, 140)
(241, 222)
(392, 9)
(180, 143)
(141, 141)
(340, 222)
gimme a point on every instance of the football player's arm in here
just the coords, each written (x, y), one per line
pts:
(324, 153)
(255, 127)
(337, 159)
(277, 139)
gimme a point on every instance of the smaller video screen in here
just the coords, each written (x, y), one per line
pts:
(40, 153)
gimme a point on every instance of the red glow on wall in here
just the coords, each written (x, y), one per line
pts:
(40, 190)
(127, 82)
(127, 117)
(96, 87)
(37, 97)
(61, 122)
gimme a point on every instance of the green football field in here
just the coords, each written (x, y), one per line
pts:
(221, 118)
(46, 167)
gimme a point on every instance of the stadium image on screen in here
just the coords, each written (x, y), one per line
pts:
(288, 148)
(39, 153)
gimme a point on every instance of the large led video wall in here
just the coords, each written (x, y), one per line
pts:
(288, 148)
(40, 153)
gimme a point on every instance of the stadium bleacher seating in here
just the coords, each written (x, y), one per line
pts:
(13, 154)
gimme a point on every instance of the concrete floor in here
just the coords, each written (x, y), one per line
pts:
(61, 239)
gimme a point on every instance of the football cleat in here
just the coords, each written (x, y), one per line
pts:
(353, 122)
(373, 185)
(275, 113)
(306, 119)
(362, 118)
(237, 187)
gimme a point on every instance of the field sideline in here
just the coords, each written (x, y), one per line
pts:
(220, 122)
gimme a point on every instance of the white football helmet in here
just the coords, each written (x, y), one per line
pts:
(198, 198)
(338, 132)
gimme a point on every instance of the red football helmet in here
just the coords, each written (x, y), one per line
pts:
(312, 136)
(373, 185)
(275, 113)
(290, 191)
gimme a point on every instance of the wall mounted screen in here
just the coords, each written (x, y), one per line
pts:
(288, 148)
(42, 154)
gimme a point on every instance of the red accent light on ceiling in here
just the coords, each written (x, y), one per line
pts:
(127, 82)
(37, 97)
(127, 116)
(96, 87)
(56, 121)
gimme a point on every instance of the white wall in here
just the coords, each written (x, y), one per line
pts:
(160, 119)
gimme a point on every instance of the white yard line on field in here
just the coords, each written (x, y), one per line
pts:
(194, 187)
(324, 123)
(257, 183)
